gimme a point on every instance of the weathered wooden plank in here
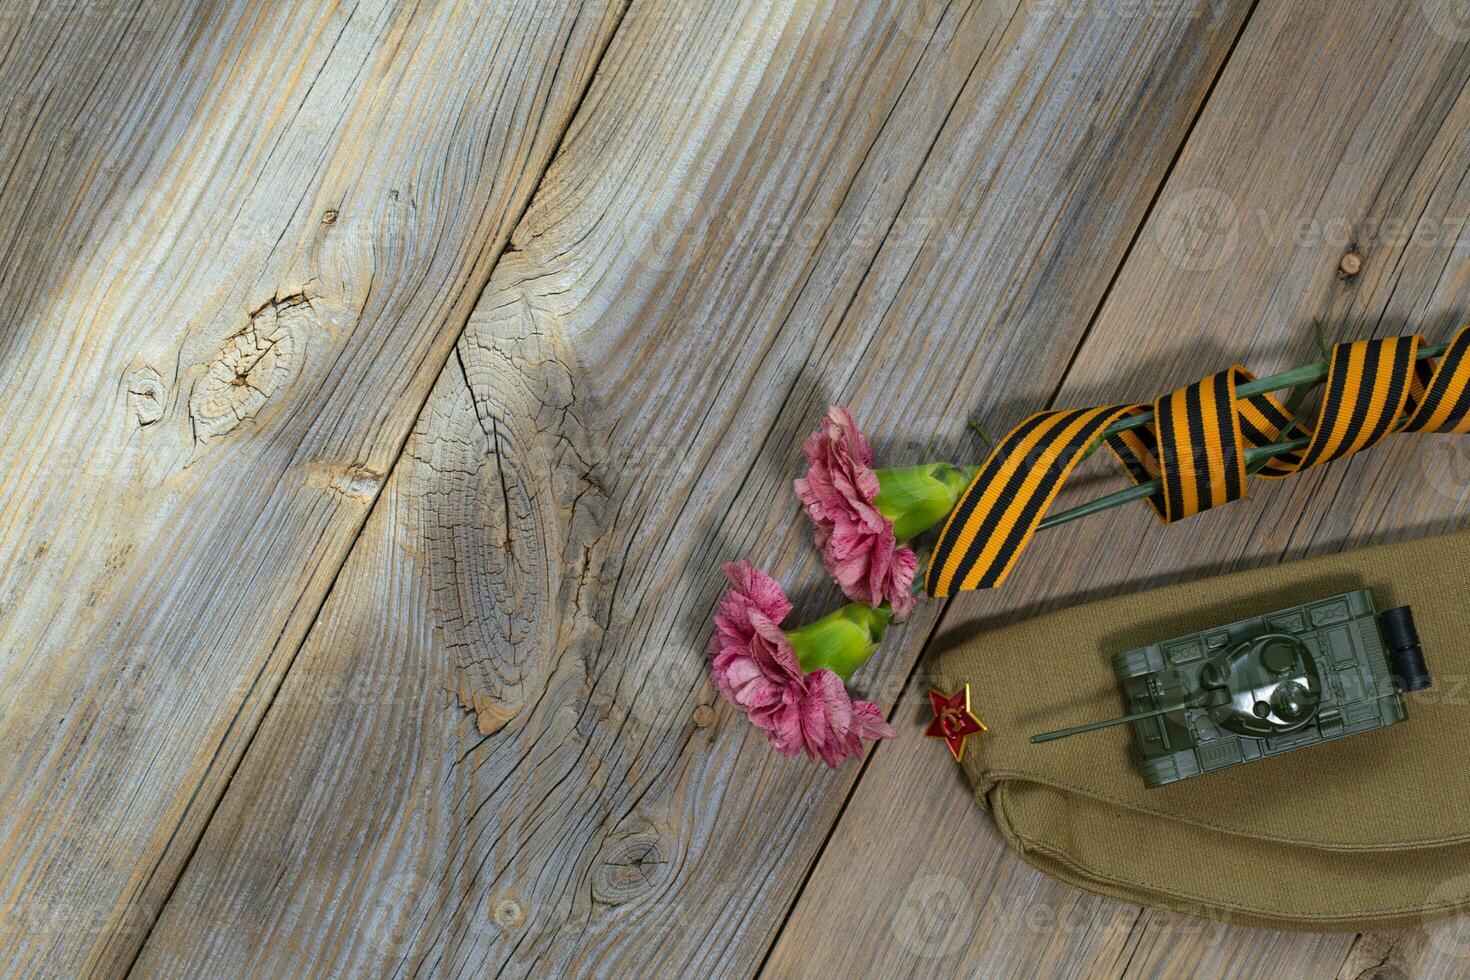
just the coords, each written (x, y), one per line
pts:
(1438, 949)
(1294, 163)
(239, 241)
(764, 206)
(1167, 945)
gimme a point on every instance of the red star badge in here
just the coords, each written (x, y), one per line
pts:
(953, 720)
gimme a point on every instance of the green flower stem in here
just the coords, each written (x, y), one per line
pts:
(843, 641)
(1299, 379)
(1309, 375)
(1255, 460)
(915, 498)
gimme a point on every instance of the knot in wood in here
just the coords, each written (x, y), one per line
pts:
(254, 363)
(507, 913)
(631, 867)
(491, 715)
(146, 395)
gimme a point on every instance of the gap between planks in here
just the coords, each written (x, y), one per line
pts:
(1358, 946)
(377, 491)
(934, 631)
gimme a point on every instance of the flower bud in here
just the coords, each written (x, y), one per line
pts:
(915, 498)
(843, 641)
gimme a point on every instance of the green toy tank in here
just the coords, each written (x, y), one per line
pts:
(1263, 686)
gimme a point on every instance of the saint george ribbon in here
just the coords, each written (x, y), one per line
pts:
(1196, 445)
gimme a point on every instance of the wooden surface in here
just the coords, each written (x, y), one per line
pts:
(240, 242)
(1209, 281)
(388, 382)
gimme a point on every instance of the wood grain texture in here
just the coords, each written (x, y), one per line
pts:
(239, 241)
(1362, 148)
(753, 215)
(1439, 949)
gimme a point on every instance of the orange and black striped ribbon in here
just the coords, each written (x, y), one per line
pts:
(1000, 509)
(1196, 445)
(1197, 441)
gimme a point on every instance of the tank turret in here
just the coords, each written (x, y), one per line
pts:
(1265, 685)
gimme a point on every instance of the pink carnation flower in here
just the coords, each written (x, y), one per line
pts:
(755, 668)
(857, 542)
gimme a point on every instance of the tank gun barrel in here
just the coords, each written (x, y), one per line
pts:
(1109, 723)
